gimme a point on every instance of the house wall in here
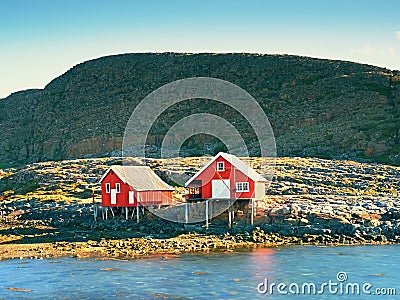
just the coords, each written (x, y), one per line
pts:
(155, 198)
(122, 197)
(233, 174)
(146, 198)
(259, 190)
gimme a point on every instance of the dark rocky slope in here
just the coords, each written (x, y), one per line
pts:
(323, 108)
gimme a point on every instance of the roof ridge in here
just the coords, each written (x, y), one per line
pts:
(139, 177)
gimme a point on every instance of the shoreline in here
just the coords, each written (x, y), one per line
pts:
(134, 248)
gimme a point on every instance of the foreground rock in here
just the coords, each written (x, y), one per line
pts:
(132, 248)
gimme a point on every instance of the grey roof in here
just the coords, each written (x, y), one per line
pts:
(141, 178)
(236, 162)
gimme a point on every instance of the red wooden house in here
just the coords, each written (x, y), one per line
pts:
(226, 177)
(133, 186)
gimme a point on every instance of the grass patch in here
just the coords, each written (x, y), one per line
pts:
(383, 159)
(381, 89)
(85, 194)
(7, 184)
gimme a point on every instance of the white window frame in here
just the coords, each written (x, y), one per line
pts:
(118, 187)
(220, 163)
(108, 188)
(242, 186)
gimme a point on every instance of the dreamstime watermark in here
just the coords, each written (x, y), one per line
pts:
(146, 113)
(340, 286)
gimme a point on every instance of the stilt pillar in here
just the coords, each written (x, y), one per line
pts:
(252, 212)
(133, 212)
(229, 214)
(207, 214)
(186, 212)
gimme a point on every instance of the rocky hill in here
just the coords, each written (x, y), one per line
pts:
(322, 108)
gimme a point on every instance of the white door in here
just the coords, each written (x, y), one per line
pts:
(113, 196)
(131, 197)
(221, 189)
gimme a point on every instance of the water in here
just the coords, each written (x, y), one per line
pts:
(215, 276)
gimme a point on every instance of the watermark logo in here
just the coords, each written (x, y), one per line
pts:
(135, 141)
(340, 286)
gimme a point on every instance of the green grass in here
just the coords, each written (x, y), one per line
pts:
(85, 194)
(3, 166)
(19, 188)
(383, 159)
(381, 89)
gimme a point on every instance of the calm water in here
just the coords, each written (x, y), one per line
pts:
(215, 276)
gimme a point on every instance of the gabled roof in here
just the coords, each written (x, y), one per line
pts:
(237, 163)
(141, 178)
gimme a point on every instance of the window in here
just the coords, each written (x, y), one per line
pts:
(118, 187)
(195, 189)
(242, 186)
(220, 166)
(107, 188)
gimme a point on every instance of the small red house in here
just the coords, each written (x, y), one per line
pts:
(226, 177)
(134, 186)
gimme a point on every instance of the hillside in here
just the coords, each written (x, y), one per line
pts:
(321, 108)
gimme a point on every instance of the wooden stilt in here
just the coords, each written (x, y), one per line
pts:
(229, 215)
(133, 212)
(186, 213)
(137, 214)
(106, 212)
(126, 213)
(112, 212)
(252, 212)
(94, 207)
(207, 214)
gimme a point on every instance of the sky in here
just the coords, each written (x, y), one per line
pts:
(42, 39)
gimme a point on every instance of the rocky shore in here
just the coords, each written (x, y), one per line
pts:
(131, 248)
(310, 201)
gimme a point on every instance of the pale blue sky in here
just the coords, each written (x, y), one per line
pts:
(41, 39)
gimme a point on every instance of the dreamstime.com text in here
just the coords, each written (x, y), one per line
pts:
(341, 286)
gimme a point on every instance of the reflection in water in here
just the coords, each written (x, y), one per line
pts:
(262, 261)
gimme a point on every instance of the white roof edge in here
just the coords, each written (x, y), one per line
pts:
(108, 171)
(202, 169)
(228, 157)
(104, 175)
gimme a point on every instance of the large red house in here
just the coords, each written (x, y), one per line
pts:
(134, 186)
(226, 177)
